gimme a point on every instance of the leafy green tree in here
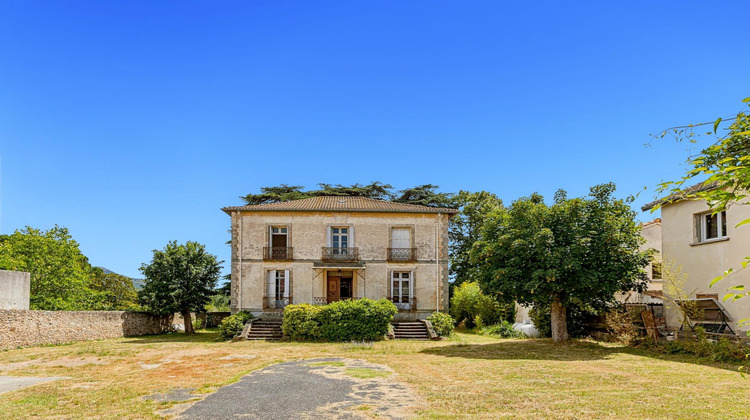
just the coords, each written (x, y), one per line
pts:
(464, 231)
(576, 252)
(724, 169)
(425, 195)
(180, 278)
(117, 291)
(60, 273)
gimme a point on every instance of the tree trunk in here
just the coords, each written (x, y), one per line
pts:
(188, 322)
(559, 321)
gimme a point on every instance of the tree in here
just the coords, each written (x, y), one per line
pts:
(576, 252)
(117, 291)
(424, 195)
(60, 273)
(464, 231)
(724, 168)
(180, 278)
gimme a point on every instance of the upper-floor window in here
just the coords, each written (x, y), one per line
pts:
(340, 237)
(711, 226)
(279, 236)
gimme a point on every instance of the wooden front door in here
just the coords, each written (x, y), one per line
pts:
(334, 292)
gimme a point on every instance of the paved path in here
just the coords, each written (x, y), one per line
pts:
(12, 383)
(316, 388)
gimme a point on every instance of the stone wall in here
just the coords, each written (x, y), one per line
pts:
(22, 328)
(14, 289)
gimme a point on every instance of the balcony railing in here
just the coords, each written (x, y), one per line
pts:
(349, 254)
(276, 302)
(277, 253)
(402, 254)
(405, 304)
(324, 300)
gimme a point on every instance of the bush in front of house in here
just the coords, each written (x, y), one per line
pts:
(233, 324)
(346, 320)
(301, 322)
(442, 323)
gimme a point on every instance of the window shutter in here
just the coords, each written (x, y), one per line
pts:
(328, 236)
(271, 283)
(286, 283)
(390, 284)
(351, 236)
(411, 284)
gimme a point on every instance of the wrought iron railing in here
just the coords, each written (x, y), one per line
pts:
(402, 254)
(332, 254)
(324, 300)
(276, 302)
(277, 253)
(404, 304)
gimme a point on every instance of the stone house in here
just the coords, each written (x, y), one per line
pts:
(703, 245)
(323, 249)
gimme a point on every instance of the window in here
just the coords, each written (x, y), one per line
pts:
(656, 270)
(277, 289)
(278, 244)
(339, 237)
(711, 226)
(401, 289)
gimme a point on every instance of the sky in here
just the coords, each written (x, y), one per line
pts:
(133, 123)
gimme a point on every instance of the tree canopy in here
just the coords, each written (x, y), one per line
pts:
(425, 195)
(180, 278)
(117, 292)
(61, 276)
(464, 231)
(578, 251)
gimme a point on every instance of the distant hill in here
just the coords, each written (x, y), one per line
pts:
(137, 283)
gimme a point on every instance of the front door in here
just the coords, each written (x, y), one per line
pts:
(334, 292)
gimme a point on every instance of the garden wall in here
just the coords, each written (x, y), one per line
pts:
(21, 328)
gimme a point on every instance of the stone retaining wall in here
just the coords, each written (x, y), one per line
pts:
(22, 328)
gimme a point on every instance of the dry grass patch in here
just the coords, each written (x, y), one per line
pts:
(468, 376)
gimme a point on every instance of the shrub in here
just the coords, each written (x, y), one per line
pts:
(233, 324)
(346, 320)
(301, 322)
(468, 302)
(503, 330)
(442, 323)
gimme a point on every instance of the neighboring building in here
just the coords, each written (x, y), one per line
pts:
(703, 245)
(323, 249)
(651, 232)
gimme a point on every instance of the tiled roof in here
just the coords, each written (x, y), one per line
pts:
(653, 222)
(341, 203)
(686, 193)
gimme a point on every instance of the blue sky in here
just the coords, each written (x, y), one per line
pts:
(132, 123)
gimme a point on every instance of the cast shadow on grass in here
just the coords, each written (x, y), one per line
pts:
(541, 349)
(207, 336)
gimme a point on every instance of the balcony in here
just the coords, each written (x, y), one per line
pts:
(404, 304)
(277, 253)
(276, 302)
(402, 254)
(350, 254)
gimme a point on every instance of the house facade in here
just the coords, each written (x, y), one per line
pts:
(323, 249)
(703, 245)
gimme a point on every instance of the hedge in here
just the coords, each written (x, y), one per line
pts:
(346, 320)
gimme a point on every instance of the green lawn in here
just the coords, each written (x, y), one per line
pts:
(468, 376)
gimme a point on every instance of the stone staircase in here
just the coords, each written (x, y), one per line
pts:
(410, 330)
(262, 329)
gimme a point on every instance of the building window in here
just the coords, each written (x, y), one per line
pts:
(277, 289)
(401, 289)
(339, 237)
(711, 226)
